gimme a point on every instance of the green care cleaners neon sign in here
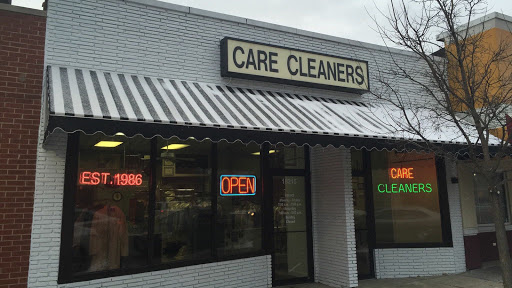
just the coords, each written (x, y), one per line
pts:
(404, 173)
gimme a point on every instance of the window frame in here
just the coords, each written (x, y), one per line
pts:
(507, 202)
(66, 275)
(443, 207)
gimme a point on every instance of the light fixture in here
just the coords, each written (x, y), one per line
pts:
(175, 146)
(120, 134)
(108, 144)
(269, 152)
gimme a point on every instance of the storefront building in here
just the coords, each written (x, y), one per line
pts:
(185, 148)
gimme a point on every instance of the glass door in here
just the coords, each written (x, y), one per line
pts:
(291, 250)
(361, 181)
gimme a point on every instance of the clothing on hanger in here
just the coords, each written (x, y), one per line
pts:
(109, 238)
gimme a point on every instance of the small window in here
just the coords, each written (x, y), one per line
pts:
(484, 210)
(286, 157)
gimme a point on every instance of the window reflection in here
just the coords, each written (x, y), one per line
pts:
(484, 209)
(111, 217)
(183, 200)
(110, 220)
(290, 227)
(406, 198)
(286, 157)
(239, 218)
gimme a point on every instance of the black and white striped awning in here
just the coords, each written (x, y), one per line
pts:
(89, 100)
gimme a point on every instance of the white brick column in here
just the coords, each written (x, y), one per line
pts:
(454, 203)
(334, 242)
(46, 223)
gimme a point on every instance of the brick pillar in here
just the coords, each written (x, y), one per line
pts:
(21, 73)
(334, 242)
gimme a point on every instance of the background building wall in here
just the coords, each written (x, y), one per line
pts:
(480, 239)
(22, 33)
(334, 240)
(410, 262)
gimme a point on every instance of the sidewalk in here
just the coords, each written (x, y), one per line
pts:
(487, 277)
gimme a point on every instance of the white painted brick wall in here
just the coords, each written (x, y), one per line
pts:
(183, 43)
(46, 231)
(246, 273)
(409, 262)
(334, 244)
(47, 218)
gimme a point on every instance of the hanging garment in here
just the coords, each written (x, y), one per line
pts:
(109, 239)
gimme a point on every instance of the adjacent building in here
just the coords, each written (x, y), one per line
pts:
(22, 34)
(490, 36)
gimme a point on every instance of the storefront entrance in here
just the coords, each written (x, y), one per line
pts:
(291, 210)
(290, 228)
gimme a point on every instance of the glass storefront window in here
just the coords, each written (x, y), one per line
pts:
(110, 219)
(142, 203)
(183, 200)
(406, 198)
(112, 201)
(286, 157)
(239, 218)
(357, 161)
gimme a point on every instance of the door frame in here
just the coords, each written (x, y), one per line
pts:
(366, 173)
(268, 174)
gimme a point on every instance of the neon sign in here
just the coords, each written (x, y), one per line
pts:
(403, 173)
(405, 188)
(237, 185)
(105, 178)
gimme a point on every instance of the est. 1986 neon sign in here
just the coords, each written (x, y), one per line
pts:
(403, 173)
(106, 178)
(237, 185)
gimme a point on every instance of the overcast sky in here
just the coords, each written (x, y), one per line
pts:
(344, 18)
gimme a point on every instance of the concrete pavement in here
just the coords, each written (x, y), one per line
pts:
(487, 277)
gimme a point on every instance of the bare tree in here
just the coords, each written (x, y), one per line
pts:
(469, 88)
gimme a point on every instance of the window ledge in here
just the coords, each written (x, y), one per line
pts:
(484, 228)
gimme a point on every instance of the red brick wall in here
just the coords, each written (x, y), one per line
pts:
(21, 74)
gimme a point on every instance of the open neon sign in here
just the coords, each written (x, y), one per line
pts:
(237, 185)
(106, 178)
